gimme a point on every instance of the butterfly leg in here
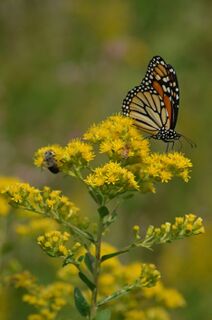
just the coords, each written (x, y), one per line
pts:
(167, 147)
(181, 145)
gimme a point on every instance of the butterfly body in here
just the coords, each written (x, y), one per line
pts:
(167, 135)
(154, 103)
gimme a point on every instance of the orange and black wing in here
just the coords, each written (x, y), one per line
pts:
(154, 103)
(147, 109)
(162, 77)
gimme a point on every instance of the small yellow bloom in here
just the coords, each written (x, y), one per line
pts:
(79, 152)
(62, 249)
(119, 139)
(112, 179)
(165, 166)
(41, 201)
(53, 243)
(136, 228)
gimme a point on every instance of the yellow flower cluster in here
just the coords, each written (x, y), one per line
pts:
(23, 280)
(169, 297)
(48, 202)
(183, 227)
(4, 206)
(119, 139)
(75, 155)
(57, 153)
(115, 274)
(111, 179)
(53, 243)
(47, 299)
(156, 313)
(163, 167)
(126, 148)
(34, 225)
(79, 153)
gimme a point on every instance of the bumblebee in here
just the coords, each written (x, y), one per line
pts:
(50, 161)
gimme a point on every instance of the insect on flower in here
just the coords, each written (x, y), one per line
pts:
(154, 104)
(50, 161)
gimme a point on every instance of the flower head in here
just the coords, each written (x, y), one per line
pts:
(57, 154)
(163, 167)
(119, 139)
(53, 243)
(48, 202)
(112, 179)
(4, 206)
(77, 154)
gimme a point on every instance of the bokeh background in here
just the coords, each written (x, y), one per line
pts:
(67, 64)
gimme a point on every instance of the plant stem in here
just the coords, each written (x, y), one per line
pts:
(96, 269)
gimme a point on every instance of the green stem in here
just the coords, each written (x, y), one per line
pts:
(117, 294)
(96, 270)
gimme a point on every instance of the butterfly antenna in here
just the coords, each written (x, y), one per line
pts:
(189, 141)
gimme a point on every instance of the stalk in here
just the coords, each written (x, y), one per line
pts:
(96, 270)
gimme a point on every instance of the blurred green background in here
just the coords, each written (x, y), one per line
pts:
(67, 64)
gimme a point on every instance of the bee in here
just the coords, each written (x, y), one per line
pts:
(50, 161)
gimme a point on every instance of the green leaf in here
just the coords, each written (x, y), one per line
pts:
(103, 211)
(112, 255)
(69, 260)
(87, 281)
(80, 259)
(104, 315)
(81, 303)
(89, 261)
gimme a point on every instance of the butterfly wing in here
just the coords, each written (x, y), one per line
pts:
(147, 108)
(162, 77)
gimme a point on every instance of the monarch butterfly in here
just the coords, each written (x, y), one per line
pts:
(154, 104)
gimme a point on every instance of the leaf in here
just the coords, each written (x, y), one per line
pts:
(104, 315)
(117, 294)
(80, 258)
(112, 255)
(69, 260)
(81, 303)
(103, 211)
(89, 261)
(87, 281)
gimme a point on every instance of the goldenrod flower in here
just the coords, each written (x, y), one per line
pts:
(75, 156)
(163, 167)
(135, 315)
(4, 206)
(111, 179)
(23, 280)
(169, 297)
(40, 159)
(53, 243)
(183, 227)
(157, 313)
(48, 202)
(78, 153)
(119, 139)
(47, 299)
